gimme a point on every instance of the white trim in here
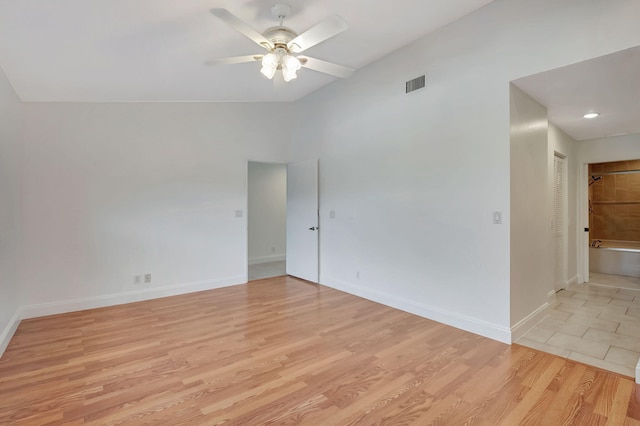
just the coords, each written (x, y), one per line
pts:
(582, 211)
(267, 259)
(638, 372)
(9, 330)
(454, 319)
(528, 322)
(65, 306)
(571, 282)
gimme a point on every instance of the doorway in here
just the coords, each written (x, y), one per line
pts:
(266, 219)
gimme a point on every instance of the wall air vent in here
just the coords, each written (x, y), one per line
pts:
(416, 84)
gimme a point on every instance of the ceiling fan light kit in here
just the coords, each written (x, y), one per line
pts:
(282, 42)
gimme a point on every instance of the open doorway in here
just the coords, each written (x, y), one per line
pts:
(614, 224)
(266, 219)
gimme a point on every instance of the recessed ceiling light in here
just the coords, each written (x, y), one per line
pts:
(591, 115)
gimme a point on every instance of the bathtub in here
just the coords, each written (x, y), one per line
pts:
(615, 257)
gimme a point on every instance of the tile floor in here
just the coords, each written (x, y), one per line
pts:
(596, 323)
(267, 270)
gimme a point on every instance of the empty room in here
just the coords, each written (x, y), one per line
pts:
(319, 212)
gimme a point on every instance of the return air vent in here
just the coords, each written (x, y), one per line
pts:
(416, 84)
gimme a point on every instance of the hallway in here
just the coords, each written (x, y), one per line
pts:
(596, 323)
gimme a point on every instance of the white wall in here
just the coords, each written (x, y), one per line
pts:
(267, 207)
(414, 179)
(10, 222)
(564, 144)
(532, 256)
(116, 190)
(614, 148)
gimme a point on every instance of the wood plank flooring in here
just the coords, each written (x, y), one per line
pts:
(283, 351)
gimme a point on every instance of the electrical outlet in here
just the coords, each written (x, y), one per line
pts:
(147, 278)
(137, 279)
(357, 275)
(273, 249)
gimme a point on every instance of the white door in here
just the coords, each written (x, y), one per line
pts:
(302, 220)
(560, 221)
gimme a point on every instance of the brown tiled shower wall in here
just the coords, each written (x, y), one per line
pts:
(615, 202)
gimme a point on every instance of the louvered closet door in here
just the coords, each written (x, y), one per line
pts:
(560, 220)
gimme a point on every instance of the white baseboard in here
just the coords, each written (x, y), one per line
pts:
(454, 319)
(62, 307)
(571, 282)
(528, 322)
(65, 306)
(267, 259)
(7, 333)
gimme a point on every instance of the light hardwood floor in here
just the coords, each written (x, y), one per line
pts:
(283, 351)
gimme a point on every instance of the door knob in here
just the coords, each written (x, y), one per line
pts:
(313, 228)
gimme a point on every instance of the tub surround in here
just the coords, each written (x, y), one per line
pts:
(614, 197)
(615, 257)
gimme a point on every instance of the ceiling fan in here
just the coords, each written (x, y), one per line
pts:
(283, 44)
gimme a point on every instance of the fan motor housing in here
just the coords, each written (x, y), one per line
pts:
(279, 35)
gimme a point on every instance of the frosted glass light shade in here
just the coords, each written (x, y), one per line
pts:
(269, 65)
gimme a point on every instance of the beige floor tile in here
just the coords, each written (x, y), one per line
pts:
(629, 292)
(624, 302)
(571, 301)
(623, 296)
(539, 334)
(605, 307)
(605, 365)
(593, 298)
(544, 347)
(622, 356)
(267, 270)
(575, 329)
(589, 347)
(613, 339)
(599, 323)
(617, 317)
(633, 311)
(593, 312)
(629, 329)
(561, 315)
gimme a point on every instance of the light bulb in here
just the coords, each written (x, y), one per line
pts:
(290, 64)
(270, 60)
(268, 72)
(269, 65)
(288, 74)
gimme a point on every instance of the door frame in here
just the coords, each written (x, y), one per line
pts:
(565, 220)
(246, 215)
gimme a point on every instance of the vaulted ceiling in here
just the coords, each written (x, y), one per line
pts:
(155, 50)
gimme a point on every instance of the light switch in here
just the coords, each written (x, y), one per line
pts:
(238, 213)
(332, 214)
(497, 218)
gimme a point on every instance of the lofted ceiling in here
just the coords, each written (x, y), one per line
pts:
(155, 50)
(608, 85)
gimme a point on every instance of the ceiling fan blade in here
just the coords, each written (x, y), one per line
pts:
(242, 27)
(326, 67)
(234, 60)
(320, 32)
